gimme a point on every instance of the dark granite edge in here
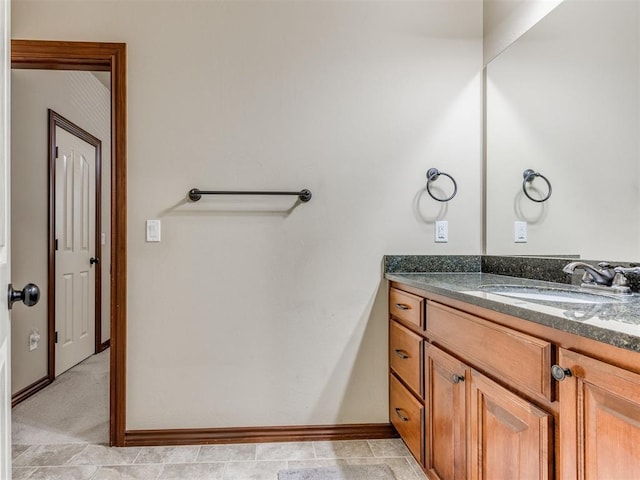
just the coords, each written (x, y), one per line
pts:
(600, 334)
(548, 269)
(432, 263)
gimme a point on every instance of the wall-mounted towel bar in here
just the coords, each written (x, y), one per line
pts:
(529, 176)
(195, 194)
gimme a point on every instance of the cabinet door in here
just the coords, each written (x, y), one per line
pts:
(510, 437)
(599, 420)
(446, 424)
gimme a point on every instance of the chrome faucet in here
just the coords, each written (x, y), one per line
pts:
(600, 276)
(605, 277)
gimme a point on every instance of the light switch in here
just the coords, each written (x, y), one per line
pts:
(153, 230)
(520, 232)
(442, 231)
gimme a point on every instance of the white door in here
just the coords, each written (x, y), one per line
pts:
(75, 204)
(5, 269)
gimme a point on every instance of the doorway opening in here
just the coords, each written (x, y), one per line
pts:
(97, 57)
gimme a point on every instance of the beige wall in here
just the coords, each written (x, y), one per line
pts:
(243, 314)
(81, 98)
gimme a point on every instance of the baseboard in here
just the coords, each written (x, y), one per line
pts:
(207, 436)
(32, 389)
(104, 346)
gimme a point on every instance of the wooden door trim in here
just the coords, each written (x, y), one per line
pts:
(57, 120)
(111, 57)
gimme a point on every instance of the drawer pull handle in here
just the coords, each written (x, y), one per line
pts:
(457, 378)
(402, 306)
(560, 373)
(402, 354)
(401, 416)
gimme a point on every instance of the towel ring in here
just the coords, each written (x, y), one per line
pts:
(432, 175)
(529, 175)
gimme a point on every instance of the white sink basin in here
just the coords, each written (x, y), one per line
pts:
(550, 294)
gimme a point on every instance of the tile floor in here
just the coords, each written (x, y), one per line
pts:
(59, 436)
(260, 461)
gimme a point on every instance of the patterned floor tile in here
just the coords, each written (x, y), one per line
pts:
(343, 449)
(227, 453)
(193, 471)
(285, 451)
(266, 470)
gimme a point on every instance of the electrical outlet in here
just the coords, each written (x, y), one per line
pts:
(34, 338)
(520, 232)
(442, 231)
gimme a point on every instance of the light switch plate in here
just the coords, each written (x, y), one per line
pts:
(153, 231)
(442, 231)
(520, 232)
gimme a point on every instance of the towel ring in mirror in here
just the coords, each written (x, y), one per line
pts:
(432, 175)
(529, 175)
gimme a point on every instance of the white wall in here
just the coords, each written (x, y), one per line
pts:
(564, 101)
(506, 20)
(242, 316)
(82, 99)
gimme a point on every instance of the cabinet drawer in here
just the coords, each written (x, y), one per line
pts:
(510, 356)
(406, 306)
(405, 356)
(407, 416)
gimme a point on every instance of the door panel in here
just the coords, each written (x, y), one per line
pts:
(599, 420)
(510, 437)
(5, 248)
(446, 404)
(75, 194)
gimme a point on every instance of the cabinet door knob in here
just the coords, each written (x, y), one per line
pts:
(457, 378)
(560, 373)
(402, 354)
(401, 416)
(402, 306)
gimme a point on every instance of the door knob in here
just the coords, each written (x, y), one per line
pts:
(29, 295)
(94, 260)
(560, 373)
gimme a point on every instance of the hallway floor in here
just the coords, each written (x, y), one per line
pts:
(61, 434)
(73, 409)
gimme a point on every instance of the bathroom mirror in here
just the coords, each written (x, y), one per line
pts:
(564, 101)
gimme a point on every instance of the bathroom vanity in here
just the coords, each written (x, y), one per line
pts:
(513, 385)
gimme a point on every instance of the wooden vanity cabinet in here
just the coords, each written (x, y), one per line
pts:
(475, 397)
(458, 423)
(599, 419)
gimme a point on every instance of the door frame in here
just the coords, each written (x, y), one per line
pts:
(57, 120)
(107, 57)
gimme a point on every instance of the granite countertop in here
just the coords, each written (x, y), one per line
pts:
(616, 323)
